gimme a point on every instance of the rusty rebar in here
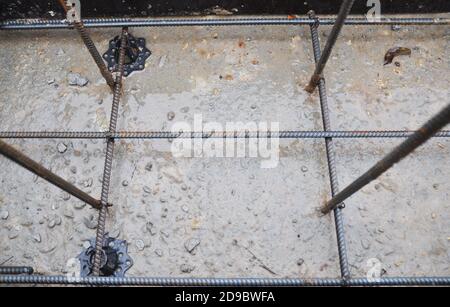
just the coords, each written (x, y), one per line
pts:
(109, 156)
(332, 38)
(79, 26)
(430, 128)
(31, 165)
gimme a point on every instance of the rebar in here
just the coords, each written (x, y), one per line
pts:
(109, 156)
(435, 124)
(16, 156)
(223, 282)
(346, 6)
(338, 216)
(16, 270)
(286, 134)
(79, 26)
(46, 24)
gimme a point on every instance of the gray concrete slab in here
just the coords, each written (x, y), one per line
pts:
(249, 221)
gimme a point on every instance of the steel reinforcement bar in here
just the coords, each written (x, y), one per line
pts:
(222, 282)
(39, 24)
(288, 134)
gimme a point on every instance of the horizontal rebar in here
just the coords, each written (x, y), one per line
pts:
(290, 134)
(36, 24)
(419, 137)
(13, 270)
(186, 281)
(16, 156)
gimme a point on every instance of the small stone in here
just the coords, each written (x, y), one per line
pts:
(60, 52)
(159, 252)
(185, 208)
(73, 169)
(66, 196)
(90, 222)
(300, 262)
(365, 244)
(37, 238)
(150, 228)
(115, 233)
(184, 187)
(99, 101)
(79, 205)
(140, 245)
(191, 244)
(149, 166)
(68, 213)
(4, 215)
(304, 169)
(162, 61)
(13, 233)
(75, 79)
(170, 115)
(54, 221)
(51, 81)
(186, 268)
(184, 109)
(62, 148)
(88, 182)
(253, 107)
(147, 189)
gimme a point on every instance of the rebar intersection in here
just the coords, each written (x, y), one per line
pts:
(327, 134)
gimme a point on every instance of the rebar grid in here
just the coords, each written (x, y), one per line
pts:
(327, 134)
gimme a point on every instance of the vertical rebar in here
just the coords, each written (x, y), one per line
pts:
(338, 216)
(109, 155)
(16, 156)
(79, 26)
(430, 128)
(322, 62)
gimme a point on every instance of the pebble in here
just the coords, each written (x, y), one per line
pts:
(147, 189)
(77, 80)
(140, 245)
(159, 252)
(186, 268)
(68, 213)
(66, 196)
(149, 166)
(162, 61)
(365, 244)
(90, 222)
(184, 109)
(304, 169)
(185, 208)
(150, 228)
(125, 183)
(4, 215)
(115, 233)
(88, 182)
(73, 169)
(51, 81)
(171, 115)
(62, 148)
(80, 205)
(13, 233)
(300, 262)
(54, 221)
(37, 238)
(191, 244)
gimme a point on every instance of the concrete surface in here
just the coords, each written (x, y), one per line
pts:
(240, 220)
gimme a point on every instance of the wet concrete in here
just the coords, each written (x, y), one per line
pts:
(248, 221)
